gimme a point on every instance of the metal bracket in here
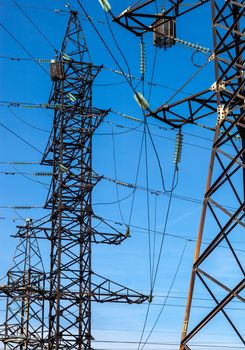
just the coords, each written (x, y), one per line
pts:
(218, 86)
(222, 112)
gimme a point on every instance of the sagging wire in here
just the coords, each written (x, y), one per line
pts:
(107, 47)
(43, 106)
(117, 201)
(167, 296)
(144, 105)
(192, 59)
(118, 126)
(115, 173)
(238, 138)
(23, 48)
(177, 159)
(42, 60)
(21, 138)
(154, 231)
(46, 106)
(108, 7)
(25, 122)
(46, 186)
(34, 25)
(159, 258)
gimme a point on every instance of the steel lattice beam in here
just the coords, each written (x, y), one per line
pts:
(141, 18)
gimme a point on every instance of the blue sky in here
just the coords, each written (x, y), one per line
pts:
(128, 264)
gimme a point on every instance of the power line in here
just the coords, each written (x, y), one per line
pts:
(199, 344)
(25, 122)
(115, 173)
(143, 229)
(158, 260)
(117, 45)
(21, 207)
(20, 138)
(21, 163)
(28, 52)
(158, 192)
(47, 106)
(150, 83)
(34, 25)
(167, 296)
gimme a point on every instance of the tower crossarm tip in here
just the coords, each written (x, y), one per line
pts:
(104, 290)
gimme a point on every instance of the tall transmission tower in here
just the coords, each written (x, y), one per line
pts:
(24, 323)
(224, 103)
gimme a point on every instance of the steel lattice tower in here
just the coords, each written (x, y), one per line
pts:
(24, 318)
(224, 102)
(73, 285)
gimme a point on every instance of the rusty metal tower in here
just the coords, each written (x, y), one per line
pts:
(24, 326)
(73, 284)
(223, 103)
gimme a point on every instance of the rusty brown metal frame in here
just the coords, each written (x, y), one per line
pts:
(72, 282)
(139, 22)
(223, 104)
(24, 324)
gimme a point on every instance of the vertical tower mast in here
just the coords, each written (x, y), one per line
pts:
(226, 176)
(24, 319)
(69, 152)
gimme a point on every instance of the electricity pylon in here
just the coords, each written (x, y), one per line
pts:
(73, 284)
(24, 323)
(223, 103)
